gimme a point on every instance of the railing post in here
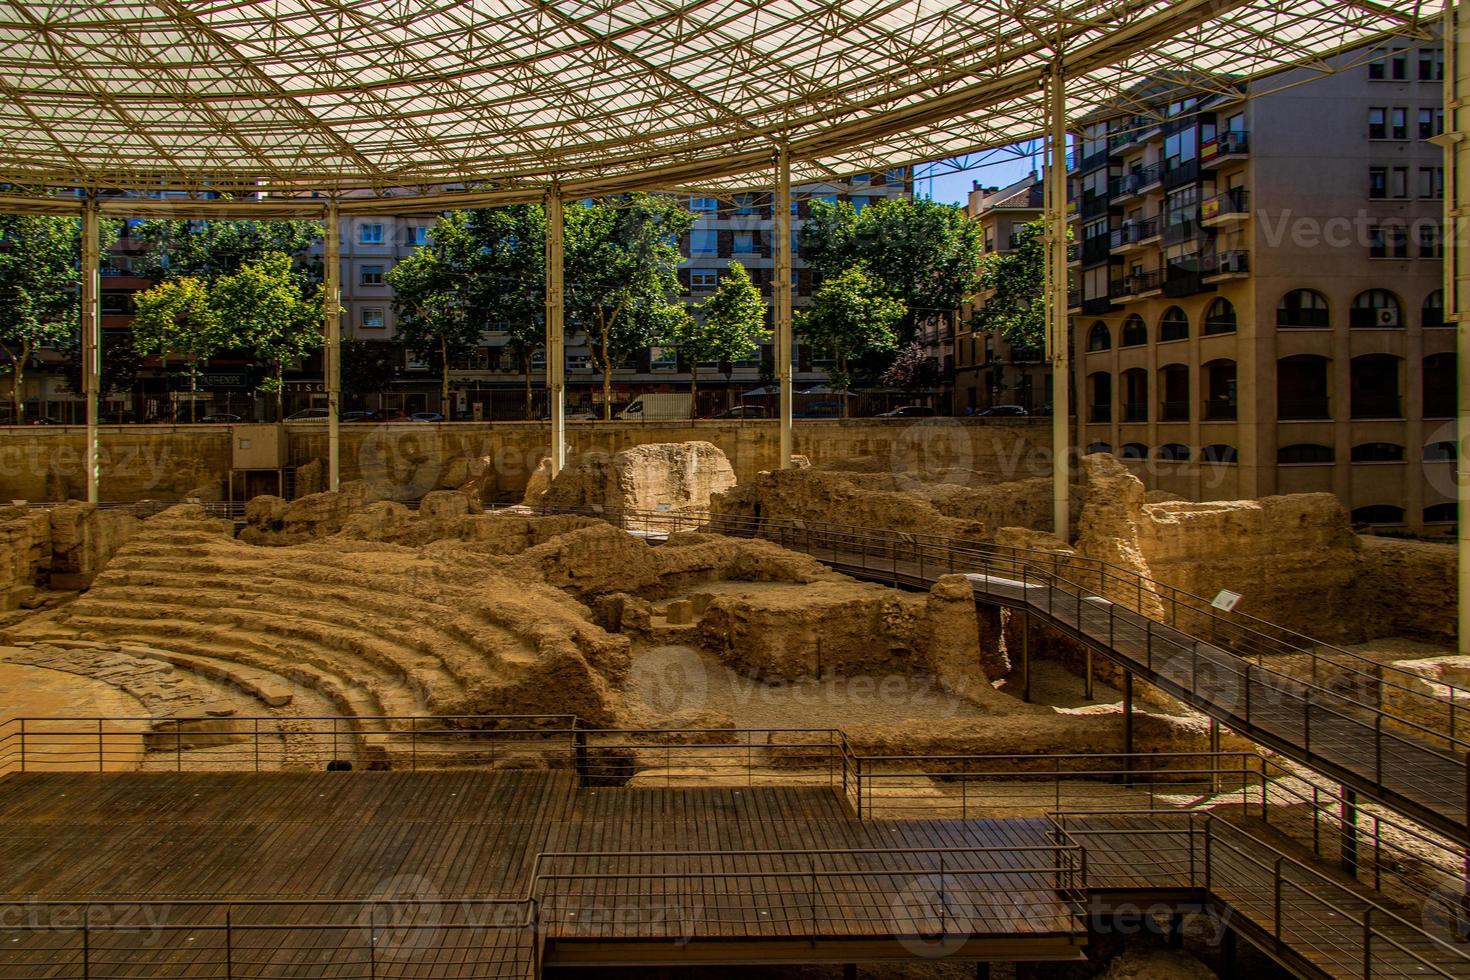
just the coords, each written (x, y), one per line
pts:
(101, 765)
(1367, 942)
(1209, 835)
(22, 745)
(229, 945)
(86, 941)
(1276, 900)
(256, 746)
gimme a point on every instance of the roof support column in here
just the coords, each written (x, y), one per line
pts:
(1456, 144)
(332, 352)
(556, 361)
(91, 329)
(781, 299)
(1055, 226)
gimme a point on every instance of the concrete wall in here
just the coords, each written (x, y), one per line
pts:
(171, 462)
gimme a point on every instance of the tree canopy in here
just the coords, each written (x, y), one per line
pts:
(727, 327)
(176, 318)
(433, 290)
(1015, 281)
(852, 316)
(263, 304)
(206, 249)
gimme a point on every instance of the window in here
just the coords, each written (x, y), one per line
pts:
(1375, 308)
(1431, 183)
(1389, 68)
(1378, 452)
(1303, 308)
(1378, 514)
(704, 278)
(1182, 206)
(743, 243)
(1377, 182)
(372, 318)
(1398, 182)
(1174, 451)
(1378, 70)
(1301, 387)
(1135, 395)
(1399, 123)
(1374, 380)
(1174, 393)
(418, 235)
(370, 234)
(1099, 447)
(1378, 123)
(1218, 378)
(1447, 513)
(372, 275)
(1439, 386)
(1430, 245)
(1218, 453)
(1388, 241)
(704, 241)
(705, 205)
(1099, 338)
(1439, 452)
(745, 205)
(1100, 397)
(1431, 66)
(1220, 318)
(1431, 123)
(1431, 314)
(1174, 324)
(1135, 332)
(1180, 148)
(1133, 450)
(1304, 453)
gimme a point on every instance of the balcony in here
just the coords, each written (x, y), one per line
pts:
(1135, 411)
(1097, 250)
(1227, 146)
(1094, 206)
(1137, 285)
(1138, 182)
(1100, 413)
(1219, 410)
(1174, 411)
(1179, 172)
(1224, 266)
(1225, 209)
(1134, 235)
(1183, 277)
(1183, 231)
(1097, 306)
(1074, 253)
(1074, 300)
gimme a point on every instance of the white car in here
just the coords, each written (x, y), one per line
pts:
(309, 415)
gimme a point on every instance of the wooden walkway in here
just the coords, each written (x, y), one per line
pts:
(1310, 723)
(427, 875)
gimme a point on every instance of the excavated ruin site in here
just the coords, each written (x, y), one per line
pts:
(821, 624)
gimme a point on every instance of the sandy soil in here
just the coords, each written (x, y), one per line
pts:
(38, 693)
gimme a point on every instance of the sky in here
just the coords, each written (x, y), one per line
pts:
(950, 181)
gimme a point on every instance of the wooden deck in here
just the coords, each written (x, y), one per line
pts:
(427, 874)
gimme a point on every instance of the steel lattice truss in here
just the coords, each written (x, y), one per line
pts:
(602, 95)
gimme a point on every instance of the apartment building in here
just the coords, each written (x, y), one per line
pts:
(988, 370)
(1257, 302)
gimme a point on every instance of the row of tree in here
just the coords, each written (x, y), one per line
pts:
(252, 287)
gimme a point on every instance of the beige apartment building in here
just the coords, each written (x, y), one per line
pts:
(988, 371)
(1257, 304)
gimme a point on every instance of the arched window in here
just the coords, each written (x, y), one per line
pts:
(1099, 447)
(1439, 452)
(1133, 450)
(1432, 313)
(1099, 337)
(1375, 387)
(1439, 386)
(1135, 395)
(1100, 397)
(1376, 308)
(1220, 317)
(1378, 514)
(1177, 452)
(1218, 379)
(1218, 453)
(1174, 393)
(1378, 452)
(1441, 513)
(1303, 308)
(1174, 324)
(1135, 332)
(1301, 387)
(1299, 453)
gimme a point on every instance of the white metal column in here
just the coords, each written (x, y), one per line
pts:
(556, 361)
(332, 352)
(1457, 275)
(781, 299)
(91, 328)
(1055, 194)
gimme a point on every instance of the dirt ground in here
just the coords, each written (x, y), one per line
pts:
(36, 692)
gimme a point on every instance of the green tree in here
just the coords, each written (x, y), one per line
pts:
(510, 277)
(433, 290)
(852, 316)
(727, 327)
(206, 249)
(268, 313)
(40, 283)
(367, 367)
(120, 364)
(177, 318)
(912, 370)
(1015, 283)
(922, 252)
(622, 260)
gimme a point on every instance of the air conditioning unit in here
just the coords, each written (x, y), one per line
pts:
(1388, 317)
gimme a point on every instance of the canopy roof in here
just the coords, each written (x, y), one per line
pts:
(331, 95)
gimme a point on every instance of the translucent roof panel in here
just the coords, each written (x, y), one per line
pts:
(602, 94)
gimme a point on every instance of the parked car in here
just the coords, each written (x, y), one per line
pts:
(386, 415)
(426, 417)
(42, 420)
(908, 412)
(999, 411)
(819, 410)
(742, 412)
(308, 415)
(221, 417)
(355, 416)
